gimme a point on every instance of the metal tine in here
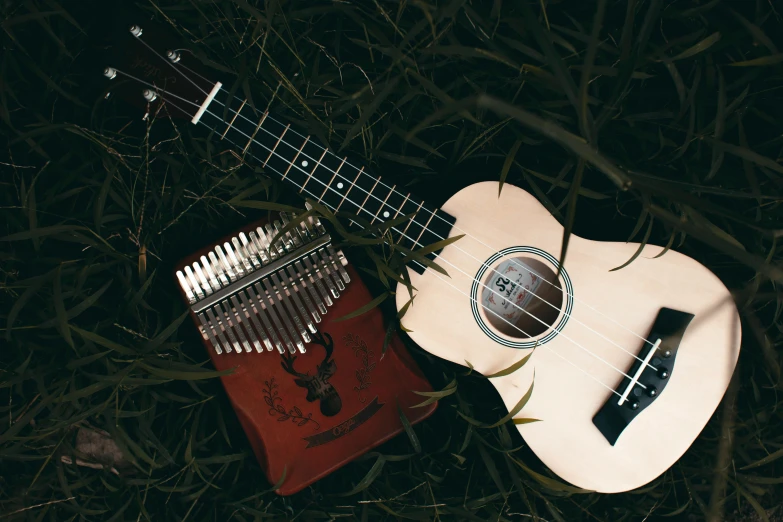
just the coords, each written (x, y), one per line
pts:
(288, 241)
(286, 298)
(193, 283)
(208, 330)
(335, 257)
(332, 269)
(214, 321)
(289, 284)
(264, 313)
(318, 225)
(202, 278)
(279, 247)
(213, 280)
(305, 293)
(260, 249)
(252, 315)
(243, 250)
(316, 222)
(290, 237)
(273, 313)
(266, 241)
(242, 318)
(236, 264)
(242, 255)
(227, 267)
(217, 267)
(223, 321)
(245, 332)
(231, 327)
(304, 233)
(313, 272)
(298, 241)
(311, 232)
(311, 286)
(323, 271)
(186, 287)
(277, 299)
(301, 230)
(250, 250)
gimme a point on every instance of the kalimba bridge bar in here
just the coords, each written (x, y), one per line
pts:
(250, 293)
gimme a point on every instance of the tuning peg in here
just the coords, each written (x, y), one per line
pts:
(135, 30)
(173, 56)
(149, 95)
(110, 73)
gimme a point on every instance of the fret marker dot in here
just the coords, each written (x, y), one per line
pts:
(304, 163)
(340, 185)
(386, 213)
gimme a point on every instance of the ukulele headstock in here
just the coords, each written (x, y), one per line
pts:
(143, 74)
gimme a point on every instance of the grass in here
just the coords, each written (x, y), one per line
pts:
(642, 119)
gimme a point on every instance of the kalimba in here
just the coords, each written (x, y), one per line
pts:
(311, 393)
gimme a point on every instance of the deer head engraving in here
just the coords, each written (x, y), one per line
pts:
(318, 386)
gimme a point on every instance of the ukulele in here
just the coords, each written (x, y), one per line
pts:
(627, 366)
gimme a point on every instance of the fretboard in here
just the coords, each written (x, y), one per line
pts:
(339, 183)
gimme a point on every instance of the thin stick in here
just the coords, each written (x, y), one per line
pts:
(36, 506)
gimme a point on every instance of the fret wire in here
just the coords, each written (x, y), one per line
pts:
(326, 187)
(253, 137)
(359, 173)
(401, 206)
(384, 202)
(291, 163)
(403, 234)
(423, 229)
(276, 144)
(349, 189)
(368, 194)
(409, 222)
(234, 119)
(317, 164)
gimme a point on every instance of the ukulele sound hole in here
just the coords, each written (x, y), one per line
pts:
(521, 297)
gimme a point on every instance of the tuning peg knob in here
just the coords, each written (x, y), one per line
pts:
(173, 56)
(149, 95)
(110, 73)
(135, 30)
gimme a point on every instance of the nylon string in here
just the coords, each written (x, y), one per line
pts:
(432, 214)
(404, 235)
(593, 377)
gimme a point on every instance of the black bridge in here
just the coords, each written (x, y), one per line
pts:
(648, 375)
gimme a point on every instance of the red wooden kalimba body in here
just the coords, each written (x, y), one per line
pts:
(307, 414)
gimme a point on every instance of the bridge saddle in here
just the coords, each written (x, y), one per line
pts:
(647, 377)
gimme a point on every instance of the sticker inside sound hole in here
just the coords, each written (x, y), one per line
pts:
(518, 339)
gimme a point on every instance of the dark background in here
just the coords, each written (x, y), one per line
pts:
(98, 205)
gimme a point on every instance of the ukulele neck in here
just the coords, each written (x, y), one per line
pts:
(336, 182)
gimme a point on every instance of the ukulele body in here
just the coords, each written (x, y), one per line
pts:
(600, 328)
